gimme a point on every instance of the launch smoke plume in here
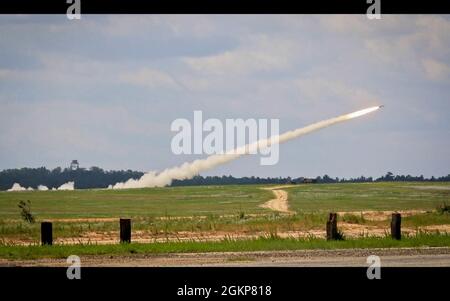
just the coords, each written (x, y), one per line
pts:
(67, 186)
(42, 187)
(190, 169)
(17, 187)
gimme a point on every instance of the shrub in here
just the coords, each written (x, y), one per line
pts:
(340, 235)
(25, 211)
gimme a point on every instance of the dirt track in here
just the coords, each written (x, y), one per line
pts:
(305, 258)
(280, 202)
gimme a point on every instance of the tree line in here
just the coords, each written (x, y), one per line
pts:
(96, 177)
(93, 177)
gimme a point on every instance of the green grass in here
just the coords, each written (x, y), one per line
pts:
(222, 208)
(233, 224)
(173, 201)
(222, 200)
(426, 219)
(367, 196)
(16, 229)
(269, 243)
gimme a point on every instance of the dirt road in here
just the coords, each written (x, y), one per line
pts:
(280, 202)
(404, 257)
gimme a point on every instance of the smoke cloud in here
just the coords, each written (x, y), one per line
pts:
(67, 186)
(17, 187)
(189, 169)
(42, 187)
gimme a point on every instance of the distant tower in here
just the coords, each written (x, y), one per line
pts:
(74, 165)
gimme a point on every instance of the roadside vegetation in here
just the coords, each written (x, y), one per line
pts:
(269, 242)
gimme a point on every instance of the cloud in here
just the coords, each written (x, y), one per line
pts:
(150, 78)
(106, 88)
(423, 41)
(167, 25)
(257, 53)
(435, 70)
(317, 88)
(6, 73)
(363, 26)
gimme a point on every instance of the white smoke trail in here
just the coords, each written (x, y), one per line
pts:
(190, 169)
(67, 186)
(42, 187)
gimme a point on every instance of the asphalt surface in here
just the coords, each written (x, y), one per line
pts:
(404, 257)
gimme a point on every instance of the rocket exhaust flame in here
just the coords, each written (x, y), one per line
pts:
(190, 169)
(363, 112)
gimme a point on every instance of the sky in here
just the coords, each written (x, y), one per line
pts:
(105, 89)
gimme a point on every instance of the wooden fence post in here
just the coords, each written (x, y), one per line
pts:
(125, 230)
(332, 232)
(396, 222)
(46, 233)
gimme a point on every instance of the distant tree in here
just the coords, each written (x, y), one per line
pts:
(96, 177)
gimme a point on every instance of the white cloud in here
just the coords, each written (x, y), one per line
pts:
(257, 53)
(317, 88)
(7, 73)
(150, 78)
(168, 25)
(77, 86)
(421, 43)
(363, 26)
(436, 70)
(75, 70)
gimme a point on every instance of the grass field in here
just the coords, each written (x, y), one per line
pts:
(269, 243)
(368, 196)
(223, 200)
(163, 212)
(173, 201)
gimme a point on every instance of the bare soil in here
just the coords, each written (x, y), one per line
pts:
(381, 215)
(350, 230)
(280, 202)
(346, 257)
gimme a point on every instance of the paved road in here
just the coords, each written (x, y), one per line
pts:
(386, 261)
(405, 257)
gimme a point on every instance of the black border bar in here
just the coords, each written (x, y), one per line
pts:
(224, 6)
(284, 281)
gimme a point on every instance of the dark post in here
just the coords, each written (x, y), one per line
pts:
(125, 230)
(46, 233)
(396, 231)
(332, 232)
